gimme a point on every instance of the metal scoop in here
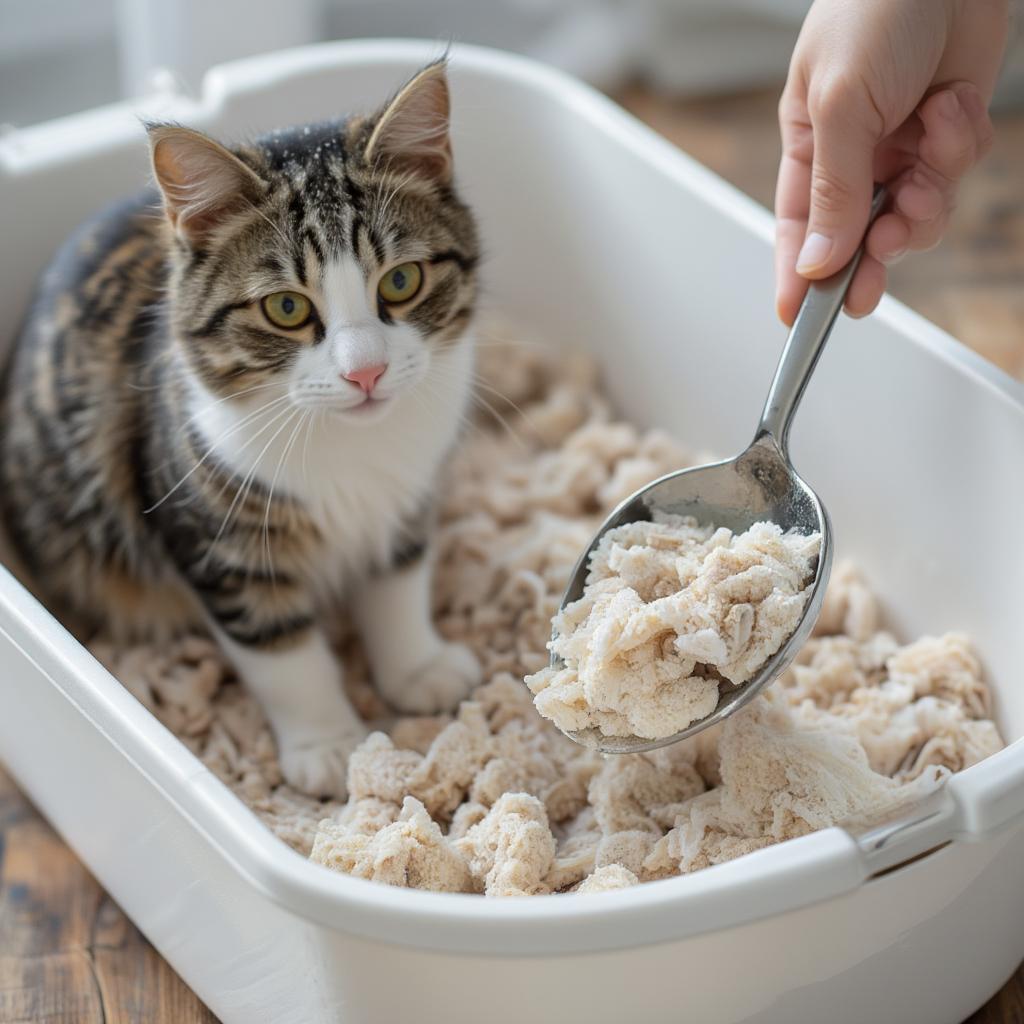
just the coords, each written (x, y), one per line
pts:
(757, 485)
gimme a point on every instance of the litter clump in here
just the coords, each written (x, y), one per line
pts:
(494, 799)
(670, 610)
(409, 851)
(607, 878)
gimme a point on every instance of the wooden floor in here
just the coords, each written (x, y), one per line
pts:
(67, 953)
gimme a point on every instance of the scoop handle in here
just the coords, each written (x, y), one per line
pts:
(810, 331)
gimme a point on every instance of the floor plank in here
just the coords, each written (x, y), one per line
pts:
(1006, 1006)
(67, 953)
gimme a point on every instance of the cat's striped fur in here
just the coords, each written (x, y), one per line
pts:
(170, 456)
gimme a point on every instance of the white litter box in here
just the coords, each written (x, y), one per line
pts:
(599, 234)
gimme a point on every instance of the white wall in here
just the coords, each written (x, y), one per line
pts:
(60, 56)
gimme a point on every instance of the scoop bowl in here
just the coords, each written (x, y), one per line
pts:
(755, 486)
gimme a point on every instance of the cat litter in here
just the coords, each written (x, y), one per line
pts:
(494, 799)
(670, 610)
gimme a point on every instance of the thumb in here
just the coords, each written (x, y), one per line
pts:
(841, 189)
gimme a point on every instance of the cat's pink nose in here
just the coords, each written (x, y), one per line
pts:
(366, 376)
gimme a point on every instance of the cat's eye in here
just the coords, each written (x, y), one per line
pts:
(289, 310)
(401, 283)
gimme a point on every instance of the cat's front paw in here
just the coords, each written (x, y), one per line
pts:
(318, 767)
(438, 684)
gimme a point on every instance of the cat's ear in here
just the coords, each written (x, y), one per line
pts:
(411, 132)
(200, 180)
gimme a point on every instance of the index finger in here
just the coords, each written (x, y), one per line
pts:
(792, 205)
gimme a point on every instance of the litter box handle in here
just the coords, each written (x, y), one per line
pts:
(807, 338)
(975, 805)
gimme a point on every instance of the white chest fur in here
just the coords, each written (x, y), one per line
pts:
(358, 482)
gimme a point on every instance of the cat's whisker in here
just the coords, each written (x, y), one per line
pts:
(485, 405)
(276, 418)
(523, 415)
(247, 481)
(273, 421)
(433, 374)
(313, 421)
(213, 447)
(302, 413)
(481, 382)
(431, 381)
(464, 419)
(227, 398)
(465, 423)
(501, 342)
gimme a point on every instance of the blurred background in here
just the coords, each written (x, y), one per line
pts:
(61, 56)
(706, 73)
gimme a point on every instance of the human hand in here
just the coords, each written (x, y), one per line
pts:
(892, 91)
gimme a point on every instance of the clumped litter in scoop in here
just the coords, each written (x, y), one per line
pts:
(670, 610)
(494, 799)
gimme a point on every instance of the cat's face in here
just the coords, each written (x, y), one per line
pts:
(329, 265)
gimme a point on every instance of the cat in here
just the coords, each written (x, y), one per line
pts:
(234, 412)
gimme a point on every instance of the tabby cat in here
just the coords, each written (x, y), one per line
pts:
(232, 413)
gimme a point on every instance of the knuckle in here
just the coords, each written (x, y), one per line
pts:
(830, 192)
(798, 141)
(831, 96)
(792, 113)
(782, 108)
(790, 105)
(842, 98)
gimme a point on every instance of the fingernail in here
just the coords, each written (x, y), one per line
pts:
(889, 258)
(948, 105)
(815, 251)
